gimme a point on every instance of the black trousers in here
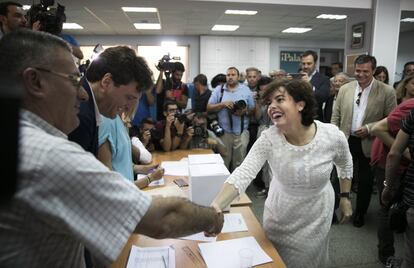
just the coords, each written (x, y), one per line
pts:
(364, 173)
(384, 233)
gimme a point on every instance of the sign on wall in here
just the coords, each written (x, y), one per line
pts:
(290, 60)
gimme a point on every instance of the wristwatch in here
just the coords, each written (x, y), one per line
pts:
(345, 194)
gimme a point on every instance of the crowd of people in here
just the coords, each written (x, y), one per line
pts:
(309, 138)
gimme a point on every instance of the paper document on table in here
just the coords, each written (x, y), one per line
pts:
(151, 257)
(228, 250)
(199, 237)
(195, 159)
(175, 168)
(172, 190)
(159, 182)
(234, 222)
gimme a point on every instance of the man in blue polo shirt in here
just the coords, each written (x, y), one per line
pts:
(233, 103)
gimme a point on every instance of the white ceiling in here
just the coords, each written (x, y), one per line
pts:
(185, 17)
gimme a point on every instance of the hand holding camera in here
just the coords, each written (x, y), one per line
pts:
(170, 119)
(228, 104)
(190, 132)
(179, 125)
(146, 137)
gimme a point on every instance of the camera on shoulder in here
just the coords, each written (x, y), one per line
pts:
(165, 63)
(51, 18)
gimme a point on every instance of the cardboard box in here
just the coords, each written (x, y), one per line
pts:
(206, 180)
(195, 159)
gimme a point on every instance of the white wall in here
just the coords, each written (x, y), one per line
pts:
(405, 52)
(193, 42)
(276, 45)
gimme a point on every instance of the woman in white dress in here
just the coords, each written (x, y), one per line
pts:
(301, 153)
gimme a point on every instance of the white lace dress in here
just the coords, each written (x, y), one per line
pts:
(298, 211)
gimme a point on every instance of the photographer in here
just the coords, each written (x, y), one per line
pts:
(171, 129)
(147, 133)
(202, 93)
(47, 18)
(11, 17)
(198, 136)
(172, 88)
(233, 103)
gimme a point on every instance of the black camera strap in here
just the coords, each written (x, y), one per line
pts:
(230, 114)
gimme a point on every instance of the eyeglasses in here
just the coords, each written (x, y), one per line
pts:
(358, 100)
(76, 79)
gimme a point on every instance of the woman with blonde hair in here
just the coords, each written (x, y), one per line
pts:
(405, 89)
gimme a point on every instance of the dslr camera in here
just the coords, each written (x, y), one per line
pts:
(200, 131)
(239, 105)
(214, 125)
(51, 18)
(182, 118)
(165, 64)
(155, 135)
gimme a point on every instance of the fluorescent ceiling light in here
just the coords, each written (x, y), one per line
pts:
(68, 25)
(331, 17)
(240, 12)
(229, 28)
(26, 7)
(140, 9)
(147, 26)
(408, 20)
(296, 30)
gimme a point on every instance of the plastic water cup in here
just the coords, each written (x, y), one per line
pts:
(246, 258)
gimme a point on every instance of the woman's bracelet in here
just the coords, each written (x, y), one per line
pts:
(148, 179)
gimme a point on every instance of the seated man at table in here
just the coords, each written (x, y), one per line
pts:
(198, 136)
(170, 130)
(66, 199)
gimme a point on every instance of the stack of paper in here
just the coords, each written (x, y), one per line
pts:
(233, 222)
(226, 253)
(151, 257)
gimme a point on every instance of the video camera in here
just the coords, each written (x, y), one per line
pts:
(165, 64)
(51, 18)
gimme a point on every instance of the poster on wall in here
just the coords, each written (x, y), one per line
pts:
(350, 59)
(290, 60)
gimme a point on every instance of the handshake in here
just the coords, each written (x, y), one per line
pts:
(217, 223)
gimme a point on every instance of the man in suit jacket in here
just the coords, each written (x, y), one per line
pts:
(319, 82)
(358, 106)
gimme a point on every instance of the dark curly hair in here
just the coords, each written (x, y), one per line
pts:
(124, 66)
(299, 90)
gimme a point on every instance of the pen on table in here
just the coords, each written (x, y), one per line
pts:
(164, 261)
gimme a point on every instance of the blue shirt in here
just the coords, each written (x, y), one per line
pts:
(115, 132)
(143, 110)
(242, 92)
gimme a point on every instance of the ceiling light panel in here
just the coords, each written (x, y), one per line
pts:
(228, 28)
(147, 26)
(240, 12)
(296, 30)
(331, 17)
(71, 25)
(408, 20)
(140, 9)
